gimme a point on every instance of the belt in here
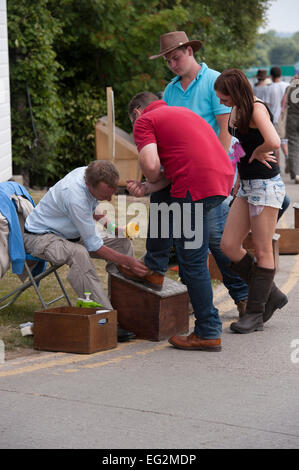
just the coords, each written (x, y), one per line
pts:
(74, 240)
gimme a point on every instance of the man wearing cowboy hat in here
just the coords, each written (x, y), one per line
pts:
(193, 88)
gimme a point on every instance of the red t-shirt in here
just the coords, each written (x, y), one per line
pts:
(190, 152)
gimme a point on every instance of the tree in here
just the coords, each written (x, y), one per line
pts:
(271, 49)
(66, 53)
(36, 107)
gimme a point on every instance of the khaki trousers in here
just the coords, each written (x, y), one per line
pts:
(82, 274)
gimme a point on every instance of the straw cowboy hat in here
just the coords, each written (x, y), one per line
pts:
(171, 41)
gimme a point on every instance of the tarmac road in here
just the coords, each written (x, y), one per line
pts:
(149, 395)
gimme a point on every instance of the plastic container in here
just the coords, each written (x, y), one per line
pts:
(132, 230)
(87, 302)
(26, 328)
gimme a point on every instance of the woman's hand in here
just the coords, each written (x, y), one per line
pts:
(236, 186)
(263, 157)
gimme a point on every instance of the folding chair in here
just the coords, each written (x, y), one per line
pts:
(22, 261)
(34, 281)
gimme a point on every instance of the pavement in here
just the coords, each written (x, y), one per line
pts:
(149, 395)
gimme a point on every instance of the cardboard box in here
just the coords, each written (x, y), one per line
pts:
(75, 330)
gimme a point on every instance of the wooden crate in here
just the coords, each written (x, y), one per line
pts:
(289, 237)
(151, 314)
(75, 330)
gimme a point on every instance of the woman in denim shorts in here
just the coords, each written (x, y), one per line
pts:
(260, 196)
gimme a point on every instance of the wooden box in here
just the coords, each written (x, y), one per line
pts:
(150, 314)
(75, 330)
(289, 237)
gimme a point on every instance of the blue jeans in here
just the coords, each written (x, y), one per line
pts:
(285, 205)
(237, 288)
(192, 262)
(158, 250)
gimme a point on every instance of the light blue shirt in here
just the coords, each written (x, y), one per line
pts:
(67, 210)
(200, 96)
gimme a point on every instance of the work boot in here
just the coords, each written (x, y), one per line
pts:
(259, 290)
(277, 299)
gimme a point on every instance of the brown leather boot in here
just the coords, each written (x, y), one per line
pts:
(152, 279)
(277, 299)
(259, 290)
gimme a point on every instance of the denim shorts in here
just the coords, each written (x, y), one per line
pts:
(268, 192)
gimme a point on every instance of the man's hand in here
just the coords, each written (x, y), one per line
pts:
(136, 188)
(138, 267)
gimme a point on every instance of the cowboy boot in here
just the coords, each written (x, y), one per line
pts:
(277, 299)
(259, 290)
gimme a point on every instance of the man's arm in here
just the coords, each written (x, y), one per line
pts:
(224, 136)
(138, 189)
(109, 254)
(150, 162)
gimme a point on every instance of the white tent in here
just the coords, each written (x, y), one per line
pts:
(5, 127)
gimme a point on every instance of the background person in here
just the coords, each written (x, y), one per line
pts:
(260, 88)
(274, 98)
(292, 128)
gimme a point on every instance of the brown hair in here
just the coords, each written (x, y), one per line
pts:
(101, 171)
(141, 100)
(233, 83)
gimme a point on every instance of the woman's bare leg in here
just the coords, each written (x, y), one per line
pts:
(236, 230)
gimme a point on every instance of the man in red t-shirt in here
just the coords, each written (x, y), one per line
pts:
(177, 146)
(188, 149)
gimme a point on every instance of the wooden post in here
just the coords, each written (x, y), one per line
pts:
(111, 124)
(296, 214)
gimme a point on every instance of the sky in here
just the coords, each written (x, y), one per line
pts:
(283, 16)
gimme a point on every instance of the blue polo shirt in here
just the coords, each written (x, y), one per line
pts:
(200, 96)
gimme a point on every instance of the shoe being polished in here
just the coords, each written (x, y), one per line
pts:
(193, 342)
(152, 279)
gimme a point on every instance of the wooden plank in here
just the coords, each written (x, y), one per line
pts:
(289, 240)
(111, 123)
(215, 272)
(296, 214)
